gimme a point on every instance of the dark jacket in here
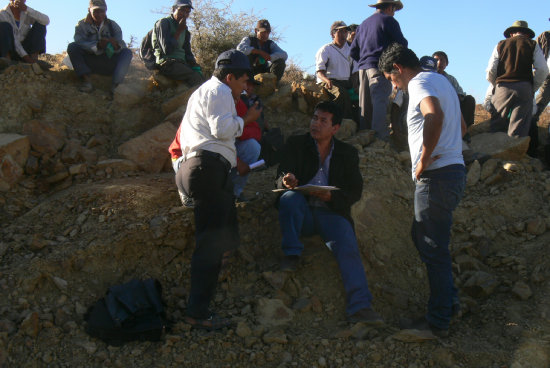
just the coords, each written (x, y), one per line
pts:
(301, 158)
(166, 46)
(373, 36)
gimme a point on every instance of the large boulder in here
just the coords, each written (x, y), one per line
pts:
(150, 150)
(268, 84)
(500, 145)
(45, 137)
(177, 101)
(15, 145)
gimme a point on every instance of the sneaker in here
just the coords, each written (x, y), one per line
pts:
(86, 87)
(367, 316)
(186, 201)
(422, 325)
(290, 263)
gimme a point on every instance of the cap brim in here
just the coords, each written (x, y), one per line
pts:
(98, 7)
(263, 30)
(511, 30)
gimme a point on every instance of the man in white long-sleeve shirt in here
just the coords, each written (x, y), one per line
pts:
(22, 33)
(510, 71)
(207, 137)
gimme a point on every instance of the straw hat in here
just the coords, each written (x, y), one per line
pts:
(519, 25)
(398, 4)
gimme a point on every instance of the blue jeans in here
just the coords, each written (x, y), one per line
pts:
(85, 63)
(437, 194)
(248, 151)
(297, 218)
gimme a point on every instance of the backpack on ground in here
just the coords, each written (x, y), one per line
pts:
(146, 52)
(128, 312)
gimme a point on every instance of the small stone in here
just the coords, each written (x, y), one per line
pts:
(472, 178)
(413, 336)
(243, 330)
(522, 290)
(60, 283)
(536, 226)
(275, 337)
(30, 325)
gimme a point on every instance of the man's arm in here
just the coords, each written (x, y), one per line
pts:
(321, 62)
(277, 53)
(37, 16)
(433, 125)
(222, 117)
(244, 46)
(395, 32)
(540, 67)
(492, 67)
(117, 36)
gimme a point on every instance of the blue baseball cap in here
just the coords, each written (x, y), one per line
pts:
(232, 59)
(180, 3)
(428, 64)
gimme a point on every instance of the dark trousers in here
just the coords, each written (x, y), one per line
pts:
(35, 42)
(438, 192)
(180, 71)
(340, 96)
(276, 67)
(85, 63)
(206, 179)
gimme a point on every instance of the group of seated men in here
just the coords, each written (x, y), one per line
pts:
(99, 47)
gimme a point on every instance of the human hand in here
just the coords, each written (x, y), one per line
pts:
(102, 43)
(242, 167)
(253, 113)
(265, 55)
(423, 165)
(290, 181)
(328, 84)
(28, 59)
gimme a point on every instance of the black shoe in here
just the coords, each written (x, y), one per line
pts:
(241, 198)
(367, 316)
(290, 263)
(422, 325)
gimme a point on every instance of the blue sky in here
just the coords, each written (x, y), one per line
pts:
(466, 30)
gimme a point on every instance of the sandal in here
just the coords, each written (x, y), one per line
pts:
(212, 323)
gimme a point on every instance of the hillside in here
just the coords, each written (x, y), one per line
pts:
(94, 204)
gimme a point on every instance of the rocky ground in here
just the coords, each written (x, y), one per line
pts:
(92, 203)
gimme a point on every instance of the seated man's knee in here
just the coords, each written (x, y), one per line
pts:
(126, 53)
(73, 48)
(39, 28)
(290, 199)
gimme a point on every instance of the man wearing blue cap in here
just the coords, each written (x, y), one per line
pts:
(171, 42)
(208, 131)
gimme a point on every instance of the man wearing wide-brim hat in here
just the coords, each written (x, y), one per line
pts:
(510, 71)
(373, 36)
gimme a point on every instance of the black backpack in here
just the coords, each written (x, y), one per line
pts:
(128, 312)
(146, 52)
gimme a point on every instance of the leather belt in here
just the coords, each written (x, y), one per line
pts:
(205, 153)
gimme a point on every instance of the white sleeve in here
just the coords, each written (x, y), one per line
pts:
(321, 59)
(39, 17)
(492, 67)
(540, 66)
(222, 117)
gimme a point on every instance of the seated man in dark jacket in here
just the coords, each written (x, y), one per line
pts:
(172, 45)
(318, 158)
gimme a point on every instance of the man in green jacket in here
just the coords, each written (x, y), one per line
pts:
(171, 41)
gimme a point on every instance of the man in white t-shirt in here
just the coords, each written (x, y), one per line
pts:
(435, 128)
(333, 67)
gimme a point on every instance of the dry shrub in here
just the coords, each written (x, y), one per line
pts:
(215, 28)
(293, 72)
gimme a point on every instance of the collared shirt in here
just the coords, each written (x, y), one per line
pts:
(335, 61)
(276, 52)
(321, 177)
(449, 145)
(211, 122)
(454, 83)
(21, 28)
(539, 64)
